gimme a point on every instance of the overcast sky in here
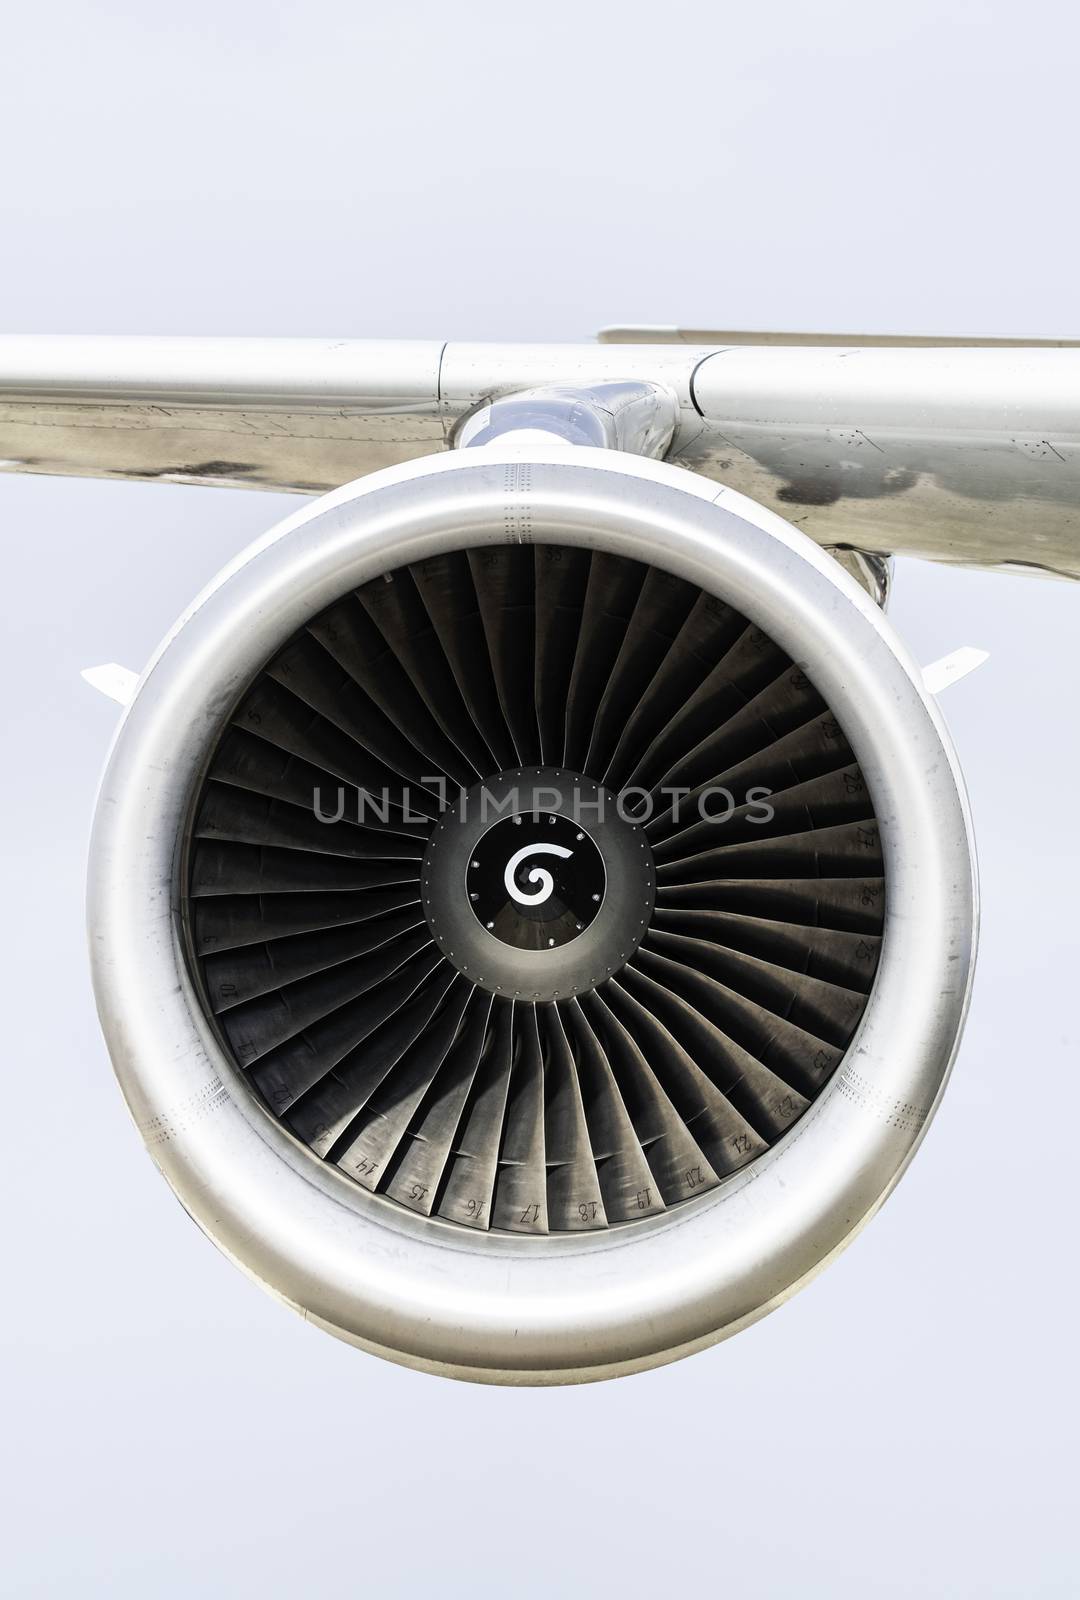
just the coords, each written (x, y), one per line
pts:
(907, 1424)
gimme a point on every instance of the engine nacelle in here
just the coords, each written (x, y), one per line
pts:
(532, 909)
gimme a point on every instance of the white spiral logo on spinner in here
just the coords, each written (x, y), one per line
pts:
(538, 875)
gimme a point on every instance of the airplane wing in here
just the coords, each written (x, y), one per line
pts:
(963, 451)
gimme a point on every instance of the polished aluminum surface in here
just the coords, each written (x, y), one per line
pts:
(968, 455)
(297, 414)
(960, 453)
(873, 572)
(500, 1308)
(637, 417)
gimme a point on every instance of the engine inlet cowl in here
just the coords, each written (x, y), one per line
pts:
(572, 912)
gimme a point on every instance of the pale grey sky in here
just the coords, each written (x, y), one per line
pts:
(907, 1424)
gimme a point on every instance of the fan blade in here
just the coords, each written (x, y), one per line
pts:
(749, 666)
(662, 606)
(230, 922)
(727, 1138)
(349, 633)
(848, 959)
(238, 975)
(445, 586)
(711, 629)
(561, 578)
(853, 904)
(827, 1010)
(466, 1190)
(574, 1198)
(612, 592)
(286, 1073)
(626, 1180)
(308, 670)
(782, 708)
(675, 1158)
(421, 1159)
(819, 803)
(326, 1118)
(243, 818)
(767, 1102)
(376, 1134)
(227, 868)
(275, 714)
(851, 849)
(244, 761)
(520, 1200)
(799, 1056)
(262, 1024)
(398, 612)
(505, 591)
(810, 750)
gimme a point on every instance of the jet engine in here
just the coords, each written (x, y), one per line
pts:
(533, 910)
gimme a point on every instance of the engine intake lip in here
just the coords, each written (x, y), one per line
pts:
(496, 1308)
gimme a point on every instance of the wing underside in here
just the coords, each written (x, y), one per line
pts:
(963, 451)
